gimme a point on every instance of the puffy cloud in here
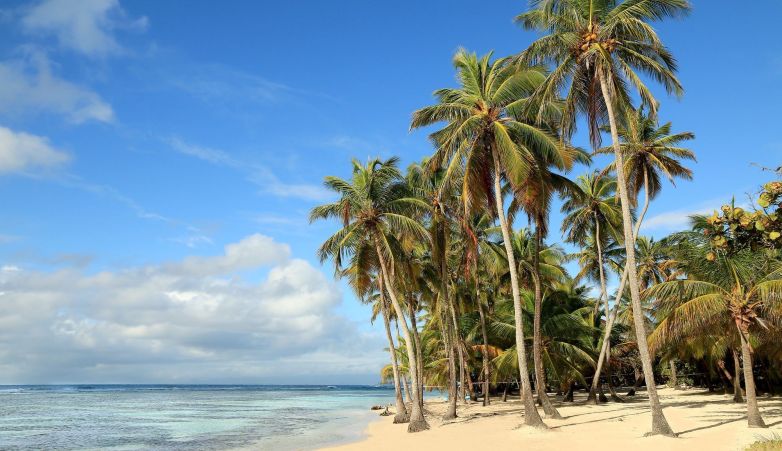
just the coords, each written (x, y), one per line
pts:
(28, 86)
(85, 26)
(21, 152)
(195, 320)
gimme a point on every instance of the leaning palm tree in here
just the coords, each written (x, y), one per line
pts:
(362, 276)
(738, 289)
(598, 48)
(372, 205)
(483, 141)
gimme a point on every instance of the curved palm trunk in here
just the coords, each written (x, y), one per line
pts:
(486, 370)
(417, 420)
(659, 423)
(401, 411)
(754, 420)
(531, 416)
(737, 392)
(537, 337)
(674, 380)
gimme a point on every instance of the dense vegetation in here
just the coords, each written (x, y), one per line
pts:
(477, 302)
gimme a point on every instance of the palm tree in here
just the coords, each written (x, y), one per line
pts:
(380, 301)
(534, 198)
(486, 143)
(651, 152)
(739, 289)
(428, 186)
(592, 215)
(362, 276)
(600, 46)
(654, 263)
(373, 204)
(541, 265)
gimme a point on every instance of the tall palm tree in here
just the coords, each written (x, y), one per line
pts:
(534, 198)
(739, 289)
(428, 186)
(372, 206)
(600, 46)
(486, 143)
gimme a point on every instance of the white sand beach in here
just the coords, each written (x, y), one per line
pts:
(704, 421)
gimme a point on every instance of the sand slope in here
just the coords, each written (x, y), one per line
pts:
(702, 420)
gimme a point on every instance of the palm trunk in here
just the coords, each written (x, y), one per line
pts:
(486, 370)
(417, 420)
(531, 416)
(610, 321)
(674, 381)
(505, 392)
(459, 352)
(405, 382)
(537, 337)
(737, 392)
(659, 423)
(603, 296)
(418, 353)
(754, 420)
(401, 411)
(445, 329)
(449, 331)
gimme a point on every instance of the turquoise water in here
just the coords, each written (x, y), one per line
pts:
(172, 417)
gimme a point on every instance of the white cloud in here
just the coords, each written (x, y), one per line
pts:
(679, 219)
(22, 152)
(85, 26)
(193, 320)
(672, 220)
(29, 86)
(260, 175)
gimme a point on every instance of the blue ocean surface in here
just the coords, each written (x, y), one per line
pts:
(178, 417)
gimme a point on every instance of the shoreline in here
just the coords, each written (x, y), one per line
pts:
(703, 421)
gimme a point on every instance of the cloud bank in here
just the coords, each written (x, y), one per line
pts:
(196, 320)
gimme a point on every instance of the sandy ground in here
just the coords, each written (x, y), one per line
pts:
(703, 421)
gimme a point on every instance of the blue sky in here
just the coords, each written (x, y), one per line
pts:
(138, 139)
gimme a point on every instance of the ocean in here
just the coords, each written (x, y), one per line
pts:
(178, 417)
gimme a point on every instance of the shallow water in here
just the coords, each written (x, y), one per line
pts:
(171, 417)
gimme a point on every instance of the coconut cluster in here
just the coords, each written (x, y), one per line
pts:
(591, 37)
